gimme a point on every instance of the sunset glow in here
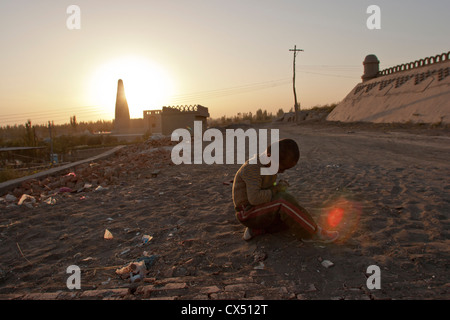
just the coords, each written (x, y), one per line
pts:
(147, 85)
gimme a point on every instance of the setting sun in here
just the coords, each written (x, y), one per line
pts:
(147, 86)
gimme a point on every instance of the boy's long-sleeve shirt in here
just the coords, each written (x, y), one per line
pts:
(250, 187)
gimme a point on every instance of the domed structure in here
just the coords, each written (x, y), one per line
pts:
(371, 67)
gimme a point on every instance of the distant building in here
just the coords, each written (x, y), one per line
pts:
(152, 119)
(163, 121)
(416, 92)
(168, 119)
(182, 117)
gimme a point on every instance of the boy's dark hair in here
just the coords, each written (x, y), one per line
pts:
(288, 149)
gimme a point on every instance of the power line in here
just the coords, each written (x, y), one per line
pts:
(52, 112)
(330, 75)
(92, 111)
(349, 66)
(217, 93)
(54, 117)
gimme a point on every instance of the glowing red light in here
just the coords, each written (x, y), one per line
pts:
(335, 217)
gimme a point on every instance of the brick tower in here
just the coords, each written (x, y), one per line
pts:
(122, 116)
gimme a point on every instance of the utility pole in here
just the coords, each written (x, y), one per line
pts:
(297, 115)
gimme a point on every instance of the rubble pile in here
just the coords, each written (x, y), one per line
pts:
(95, 176)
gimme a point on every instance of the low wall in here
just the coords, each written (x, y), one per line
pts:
(11, 184)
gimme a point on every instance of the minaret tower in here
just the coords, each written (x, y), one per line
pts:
(122, 116)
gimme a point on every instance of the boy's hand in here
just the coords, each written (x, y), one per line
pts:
(281, 186)
(283, 183)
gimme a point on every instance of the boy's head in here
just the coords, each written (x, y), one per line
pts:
(289, 154)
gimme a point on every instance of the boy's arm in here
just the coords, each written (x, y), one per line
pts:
(253, 180)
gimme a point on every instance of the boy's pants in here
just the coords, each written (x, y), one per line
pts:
(283, 209)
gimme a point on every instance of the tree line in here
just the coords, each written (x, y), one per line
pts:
(259, 116)
(64, 136)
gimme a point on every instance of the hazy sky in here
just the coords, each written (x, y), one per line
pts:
(230, 56)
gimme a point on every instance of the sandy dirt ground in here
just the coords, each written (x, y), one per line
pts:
(386, 189)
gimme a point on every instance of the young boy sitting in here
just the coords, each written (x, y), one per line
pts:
(263, 205)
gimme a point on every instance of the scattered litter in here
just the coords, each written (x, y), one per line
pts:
(327, 263)
(136, 277)
(87, 259)
(259, 266)
(137, 270)
(173, 231)
(86, 177)
(155, 173)
(333, 166)
(26, 199)
(65, 236)
(108, 235)
(259, 256)
(125, 251)
(20, 250)
(146, 238)
(50, 201)
(10, 198)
